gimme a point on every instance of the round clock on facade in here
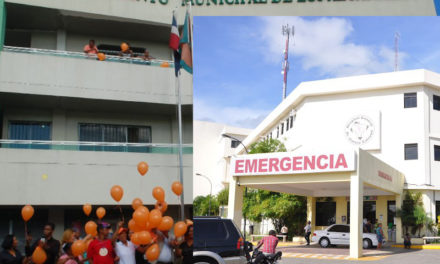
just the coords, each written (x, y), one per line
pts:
(359, 129)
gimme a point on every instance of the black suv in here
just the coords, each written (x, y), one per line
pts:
(217, 241)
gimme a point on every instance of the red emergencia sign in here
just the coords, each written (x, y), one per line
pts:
(292, 163)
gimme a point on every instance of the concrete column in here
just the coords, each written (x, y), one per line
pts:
(2, 23)
(56, 216)
(399, 233)
(235, 202)
(356, 211)
(59, 125)
(311, 209)
(61, 39)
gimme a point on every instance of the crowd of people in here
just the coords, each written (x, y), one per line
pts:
(102, 249)
(92, 49)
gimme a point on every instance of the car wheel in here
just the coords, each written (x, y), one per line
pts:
(205, 260)
(366, 243)
(324, 242)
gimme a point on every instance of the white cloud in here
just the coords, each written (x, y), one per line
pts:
(244, 117)
(324, 45)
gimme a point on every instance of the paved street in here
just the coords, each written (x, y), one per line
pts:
(315, 254)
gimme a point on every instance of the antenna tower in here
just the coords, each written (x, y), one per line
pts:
(286, 31)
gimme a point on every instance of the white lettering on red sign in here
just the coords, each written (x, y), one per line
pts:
(385, 176)
(283, 163)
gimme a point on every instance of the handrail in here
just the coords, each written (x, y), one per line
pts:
(89, 143)
(82, 55)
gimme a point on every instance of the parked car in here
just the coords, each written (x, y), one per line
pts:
(217, 241)
(340, 235)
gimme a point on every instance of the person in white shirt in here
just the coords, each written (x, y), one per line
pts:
(284, 230)
(308, 231)
(166, 248)
(125, 250)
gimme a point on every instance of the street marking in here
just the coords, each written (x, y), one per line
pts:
(330, 256)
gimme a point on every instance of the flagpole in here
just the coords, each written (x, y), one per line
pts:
(179, 109)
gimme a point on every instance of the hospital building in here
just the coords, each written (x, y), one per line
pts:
(354, 146)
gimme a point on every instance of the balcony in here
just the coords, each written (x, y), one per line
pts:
(74, 74)
(63, 173)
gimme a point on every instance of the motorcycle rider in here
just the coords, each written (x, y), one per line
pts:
(269, 244)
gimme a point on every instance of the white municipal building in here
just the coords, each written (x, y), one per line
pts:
(72, 126)
(360, 140)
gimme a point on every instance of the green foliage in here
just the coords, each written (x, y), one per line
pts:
(413, 214)
(201, 205)
(223, 196)
(267, 146)
(280, 208)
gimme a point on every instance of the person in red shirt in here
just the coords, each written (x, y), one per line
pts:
(269, 243)
(91, 47)
(101, 249)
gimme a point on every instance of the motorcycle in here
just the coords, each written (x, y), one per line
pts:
(258, 257)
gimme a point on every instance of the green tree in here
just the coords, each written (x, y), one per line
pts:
(413, 214)
(201, 205)
(280, 208)
(223, 196)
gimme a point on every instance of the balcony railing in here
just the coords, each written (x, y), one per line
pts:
(82, 55)
(154, 148)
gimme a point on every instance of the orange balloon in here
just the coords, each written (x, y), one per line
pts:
(87, 208)
(177, 188)
(78, 248)
(117, 192)
(140, 217)
(136, 203)
(180, 229)
(100, 212)
(39, 256)
(124, 46)
(27, 212)
(166, 224)
(189, 222)
(144, 237)
(159, 194)
(161, 206)
(91, 228)
(155, 218)
(101, 56)
(142, 168)
(165, 65)
(153, 252)
(135, 238)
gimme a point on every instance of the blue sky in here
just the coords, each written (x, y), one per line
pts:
(237, 60)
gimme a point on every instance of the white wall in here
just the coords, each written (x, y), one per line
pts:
(78, 177)
(320, 124)
(210, 151)
(89, 78)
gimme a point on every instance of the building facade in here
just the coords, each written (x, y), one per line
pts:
(388, 125)
(73, 126)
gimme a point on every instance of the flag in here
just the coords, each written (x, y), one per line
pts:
(185, 46)
(174, 37)
(174, 44)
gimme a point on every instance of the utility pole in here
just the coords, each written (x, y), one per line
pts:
(286, 31)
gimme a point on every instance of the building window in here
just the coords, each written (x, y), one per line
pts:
(24, 130)
(114, 133)
(410, 100)
(325, 213)
(437, 210)
(436, 153)
(270, 135)
(278, 131)
(282, 128)
(234, 143)
(391, 212)
(411, 152)
(436, 102)
(291, 121)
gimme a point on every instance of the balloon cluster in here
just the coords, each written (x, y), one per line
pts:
(141, 223)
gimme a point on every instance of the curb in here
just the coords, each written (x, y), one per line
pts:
(419, 246)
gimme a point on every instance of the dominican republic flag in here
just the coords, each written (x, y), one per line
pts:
(174, 37)
(185, 45)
